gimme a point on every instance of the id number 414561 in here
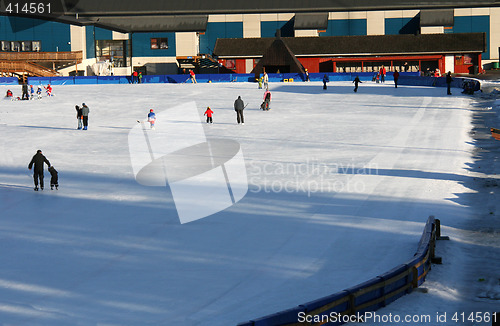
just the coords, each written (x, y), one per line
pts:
(28, 8)
(476, 317)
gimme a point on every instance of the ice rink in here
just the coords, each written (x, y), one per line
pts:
(340, 185)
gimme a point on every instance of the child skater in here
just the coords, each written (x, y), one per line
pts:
(152, 119)
(54, 180)
(209, 114)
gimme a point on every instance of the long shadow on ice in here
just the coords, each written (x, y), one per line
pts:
(83, 259)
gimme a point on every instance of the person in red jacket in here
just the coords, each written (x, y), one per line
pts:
(382, 74)
(396, 77)
(209, 114)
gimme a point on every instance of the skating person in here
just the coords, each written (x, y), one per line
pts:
(54, 179)
(265, 80)
(39, 92)
(448, 82)
(38, 160)
(396, 77)
(192, 76)
(325, 80)
(139, 76)
(307, 76)
(79, 116)
(260, 82)
(267, 100)
(152, 119)
(135, 77)
(32, 92)
(85, 116)
(49, 90)
(382, 74)
(356, 82)
(239, 106)
(209, 114)
(25, 95)
(9, 94)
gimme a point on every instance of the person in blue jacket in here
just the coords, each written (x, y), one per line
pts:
(325, 80)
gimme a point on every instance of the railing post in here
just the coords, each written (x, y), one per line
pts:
(414, 280)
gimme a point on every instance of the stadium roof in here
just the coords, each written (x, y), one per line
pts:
(168, 15)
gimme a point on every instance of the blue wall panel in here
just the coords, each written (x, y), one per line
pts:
(54, 36)
(141, 45)
(268, 29)
(393, 26)
(474, 24)
(89, 39)
(103, 34)
(345, 27)
(219, 30)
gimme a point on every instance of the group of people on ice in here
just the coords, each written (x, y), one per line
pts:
(82, 115)
(29, 93)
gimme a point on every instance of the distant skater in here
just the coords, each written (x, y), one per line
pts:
(152, 119)
(79, 116)
(325, 80)
(267, 101)
(396, 77)
(38, 160)
(382, 74)
(448, 82)
(265, 80)
(239, 106)
(85, 116)
(192, 76)
(54, 179)
(356, 82)
(25, 95)
(209, 114)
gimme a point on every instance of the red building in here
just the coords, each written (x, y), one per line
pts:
(458, 53)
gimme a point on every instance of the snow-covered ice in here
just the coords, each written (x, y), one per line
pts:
(340, 187)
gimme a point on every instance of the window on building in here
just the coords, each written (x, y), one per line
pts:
(5, 45)
(15, 46)
(113, 51)
(36, 46)
(159, 43)
(26, 46)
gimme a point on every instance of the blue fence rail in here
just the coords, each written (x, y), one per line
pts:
(365, 297)
(406, 78)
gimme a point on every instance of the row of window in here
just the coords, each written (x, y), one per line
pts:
(20, 46)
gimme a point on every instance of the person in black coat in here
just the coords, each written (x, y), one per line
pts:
(239, 106)
(54, 179)
(79, 116)
(38, 160)
(448, 82)
(25, 95)
(325, 80)
(356, 82)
